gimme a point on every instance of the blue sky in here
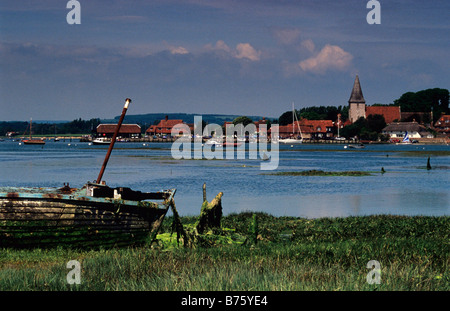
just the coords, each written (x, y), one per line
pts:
(247, 57)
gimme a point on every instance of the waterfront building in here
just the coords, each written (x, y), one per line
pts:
(164, 127)
(308, 129)
(126, 131)
(443, 125)
(397, 130)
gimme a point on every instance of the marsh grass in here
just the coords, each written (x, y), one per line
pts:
(291, 254)
(321, 173)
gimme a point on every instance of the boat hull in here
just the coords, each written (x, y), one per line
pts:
(290, 141)
(49, 220)
(34, 142)
(101, 142)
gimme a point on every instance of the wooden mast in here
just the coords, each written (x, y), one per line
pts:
(113, 140)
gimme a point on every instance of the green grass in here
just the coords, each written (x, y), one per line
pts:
(321, 173)
(290, 254)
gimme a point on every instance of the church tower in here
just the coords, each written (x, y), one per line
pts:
(356, 102)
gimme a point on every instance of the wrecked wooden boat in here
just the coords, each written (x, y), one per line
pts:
(94, 215)
(91, 216)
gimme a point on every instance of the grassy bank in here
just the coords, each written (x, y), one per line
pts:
(321, 173)
(290, 254)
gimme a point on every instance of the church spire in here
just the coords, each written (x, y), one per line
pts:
(357, 96)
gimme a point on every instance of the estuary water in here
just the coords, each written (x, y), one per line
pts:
(406, 187)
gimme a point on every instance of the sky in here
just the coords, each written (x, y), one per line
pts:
(241, 57)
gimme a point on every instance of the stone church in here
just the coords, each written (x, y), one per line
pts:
(357, 103)
(358, 108)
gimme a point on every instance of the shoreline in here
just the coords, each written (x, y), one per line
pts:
(84, 138)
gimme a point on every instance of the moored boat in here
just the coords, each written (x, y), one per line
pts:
(293, 140)
(32, 141)
(406, 140)
(101, 141)
(359, 146)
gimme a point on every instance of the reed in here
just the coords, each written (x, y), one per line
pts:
(291, 254)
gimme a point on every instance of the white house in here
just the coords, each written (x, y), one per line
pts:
(397, 130)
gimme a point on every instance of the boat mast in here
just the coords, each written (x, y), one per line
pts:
(113, 140)
(293, 113)
(298, 122)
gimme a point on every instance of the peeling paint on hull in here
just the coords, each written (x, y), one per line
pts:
(42, 217)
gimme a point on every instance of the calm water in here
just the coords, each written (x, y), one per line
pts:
(406, 188)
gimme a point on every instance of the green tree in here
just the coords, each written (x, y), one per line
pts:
(436, 100)
(244, 120)
(376, 123)
(285, 118)
(354, 129)
(367, 129)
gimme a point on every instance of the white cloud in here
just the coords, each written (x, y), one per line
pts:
(330, 57)
(178, 50)
(242, 50)
(245, 50)
(221, 45)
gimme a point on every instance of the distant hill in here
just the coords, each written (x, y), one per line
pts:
(151, 118)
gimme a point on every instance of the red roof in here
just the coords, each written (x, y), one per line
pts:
(124, 129)
(390, 113)
(164, 126)
(315, 126)
(306, 127)
(443, 124)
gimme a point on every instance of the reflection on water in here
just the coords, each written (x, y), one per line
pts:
(406, 188)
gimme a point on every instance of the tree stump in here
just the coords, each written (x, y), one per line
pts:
(211, 213)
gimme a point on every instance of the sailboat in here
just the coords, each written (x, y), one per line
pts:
(405, 140)
(32, 141)
(292, 140)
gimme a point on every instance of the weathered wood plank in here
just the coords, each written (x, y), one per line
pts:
(35, 222)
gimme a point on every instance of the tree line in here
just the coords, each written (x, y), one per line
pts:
(77, 126)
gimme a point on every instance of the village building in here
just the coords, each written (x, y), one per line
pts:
(442, 125)
(398, 130)
(261, 130)
(126, 130)
(420, 117)
(390, 113)
(163, 128)
(308, 129)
